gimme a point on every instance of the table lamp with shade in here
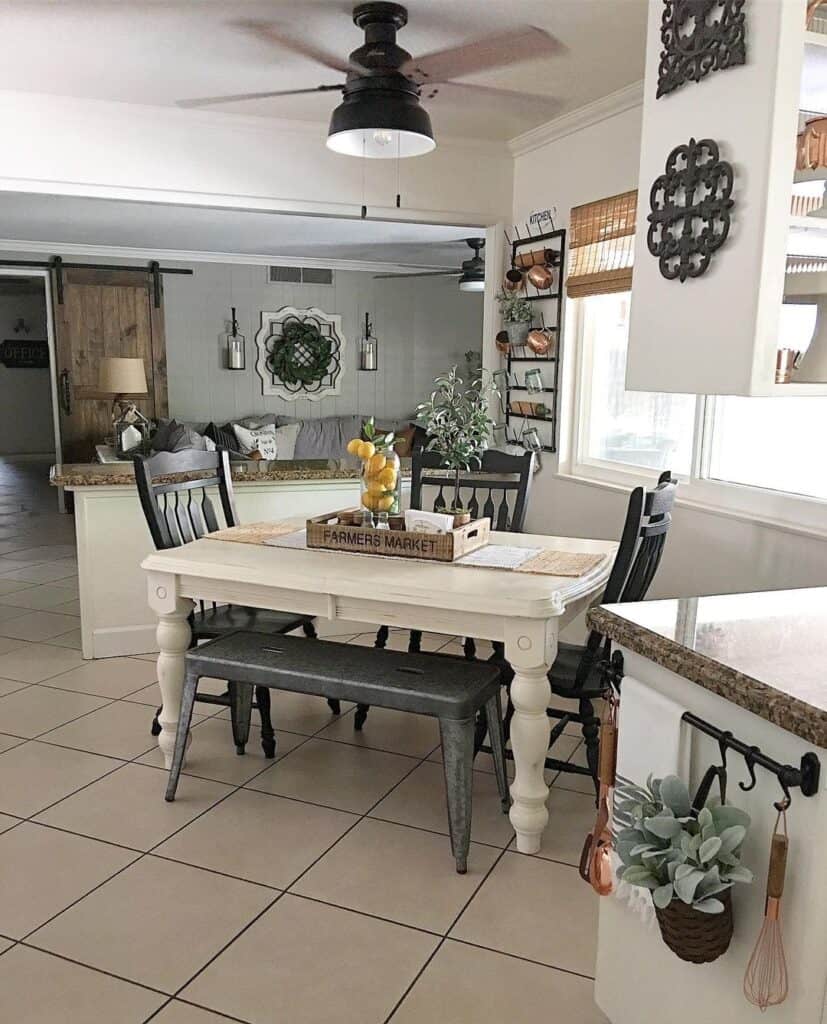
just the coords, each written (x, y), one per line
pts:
(125, 378)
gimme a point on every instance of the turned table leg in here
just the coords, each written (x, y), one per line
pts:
(527, 650)
(173, 635)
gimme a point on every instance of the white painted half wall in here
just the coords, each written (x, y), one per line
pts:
(424, 326)
(708, 553)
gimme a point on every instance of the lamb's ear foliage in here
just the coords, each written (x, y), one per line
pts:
(675, 854)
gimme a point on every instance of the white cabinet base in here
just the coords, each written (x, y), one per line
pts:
(638, 979)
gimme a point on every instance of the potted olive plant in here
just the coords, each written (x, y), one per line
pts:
(688, 861)
(516, 313)
(457, 421)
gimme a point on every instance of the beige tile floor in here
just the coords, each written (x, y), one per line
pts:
(316, 888)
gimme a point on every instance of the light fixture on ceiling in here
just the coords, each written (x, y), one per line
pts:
(472, 278)
(380, 116)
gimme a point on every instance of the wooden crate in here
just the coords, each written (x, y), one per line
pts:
(325, 532)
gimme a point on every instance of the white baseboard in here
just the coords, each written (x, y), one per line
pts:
(120, 641)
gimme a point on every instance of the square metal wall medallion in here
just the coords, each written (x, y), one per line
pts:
(699, 36)
(690, 206)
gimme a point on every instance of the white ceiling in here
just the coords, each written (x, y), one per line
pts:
(160, 51)
(95, 222)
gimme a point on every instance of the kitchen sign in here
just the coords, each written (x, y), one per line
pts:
(17, 354)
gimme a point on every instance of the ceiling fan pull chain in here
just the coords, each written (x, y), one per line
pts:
(364, 161)
(398, 161)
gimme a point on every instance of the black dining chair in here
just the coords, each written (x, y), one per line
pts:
(577, 672)
(498, 491)
(172, 487)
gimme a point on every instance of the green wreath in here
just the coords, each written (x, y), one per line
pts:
(301, 355)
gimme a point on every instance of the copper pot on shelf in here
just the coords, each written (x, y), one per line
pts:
(541, 277)
(513, 280)
(539, 342)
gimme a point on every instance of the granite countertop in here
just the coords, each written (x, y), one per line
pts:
(766, 652)
(115, 474)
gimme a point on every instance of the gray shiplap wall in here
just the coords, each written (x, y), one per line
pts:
(424, 326)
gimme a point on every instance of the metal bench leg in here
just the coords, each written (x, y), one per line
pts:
(415, 641)
(458, 763)
(241, 709)
(184, 719)
(469, 648)
(494, 717)
(268, 736)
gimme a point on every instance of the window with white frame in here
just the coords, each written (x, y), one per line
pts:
(741, 453)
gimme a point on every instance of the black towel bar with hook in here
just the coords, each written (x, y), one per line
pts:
(805, 777)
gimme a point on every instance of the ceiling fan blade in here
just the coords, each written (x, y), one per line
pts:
(504, 99)
(273, 33)
(423, 273)
(208, 101)
(492, 52)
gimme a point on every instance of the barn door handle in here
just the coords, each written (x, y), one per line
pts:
(65, 391)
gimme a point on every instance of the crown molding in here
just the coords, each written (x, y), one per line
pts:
(576, 120)
(11, 247)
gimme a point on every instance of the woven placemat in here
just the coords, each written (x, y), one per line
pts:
(253, 533)
(561, 563)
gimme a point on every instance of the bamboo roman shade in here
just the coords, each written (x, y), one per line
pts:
(601, 246)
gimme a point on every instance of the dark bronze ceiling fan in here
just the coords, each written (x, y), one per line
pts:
(380, 114)
(471, 273)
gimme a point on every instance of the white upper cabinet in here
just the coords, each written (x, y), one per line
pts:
(720, 332)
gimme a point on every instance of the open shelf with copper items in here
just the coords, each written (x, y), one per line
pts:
(550, 246)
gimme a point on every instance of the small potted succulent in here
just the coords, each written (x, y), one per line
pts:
(688, 861)
(516, 313)
(458, 424)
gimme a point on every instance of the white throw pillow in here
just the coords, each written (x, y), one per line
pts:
(286, 440)
(262, 440)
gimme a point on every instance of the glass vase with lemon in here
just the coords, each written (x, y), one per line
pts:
(380, 479)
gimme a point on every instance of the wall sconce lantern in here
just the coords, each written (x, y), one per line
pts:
(368, 348)
(236, 346)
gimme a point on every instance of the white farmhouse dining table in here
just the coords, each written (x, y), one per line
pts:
(523, 610)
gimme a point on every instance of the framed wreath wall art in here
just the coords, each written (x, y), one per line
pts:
(300, 353)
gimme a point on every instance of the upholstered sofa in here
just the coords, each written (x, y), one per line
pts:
(324, 438)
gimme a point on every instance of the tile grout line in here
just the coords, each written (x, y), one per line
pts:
(298, 878)
(442, 940)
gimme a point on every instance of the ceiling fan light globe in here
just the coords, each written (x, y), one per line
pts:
(471, 284)
(380, 125)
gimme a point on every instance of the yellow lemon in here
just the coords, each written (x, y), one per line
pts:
(375, 487)
(366, 450)
(369, 500)
(384, 504)
(387, 477)
(354, 446)
(376, 463)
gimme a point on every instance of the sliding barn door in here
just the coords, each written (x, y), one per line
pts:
(104, 313)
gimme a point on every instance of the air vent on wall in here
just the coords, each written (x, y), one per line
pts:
(300, 275)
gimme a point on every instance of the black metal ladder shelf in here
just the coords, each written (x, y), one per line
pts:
(556, 241)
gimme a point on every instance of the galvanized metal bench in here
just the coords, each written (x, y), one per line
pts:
(444, 687)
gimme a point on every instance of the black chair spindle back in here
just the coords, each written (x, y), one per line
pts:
(181, 511)
(484, 492)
